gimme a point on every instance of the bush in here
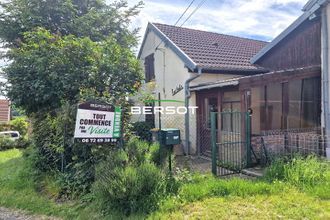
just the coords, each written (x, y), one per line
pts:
(128, 181)
(142, 130)
(6, 143)
(19, 124)
(5, 127)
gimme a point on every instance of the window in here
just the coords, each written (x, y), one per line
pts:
(290, 105)
(304, 103)
(211, 105)
(149, 67)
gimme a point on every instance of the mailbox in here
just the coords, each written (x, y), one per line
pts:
(170, 136)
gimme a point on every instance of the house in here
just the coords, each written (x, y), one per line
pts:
(4, 106)
(177, 59)
(283, 85)
(4, 111)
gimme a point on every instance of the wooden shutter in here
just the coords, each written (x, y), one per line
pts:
(149, 68)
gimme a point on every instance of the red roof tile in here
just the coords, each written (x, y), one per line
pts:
(212, 50)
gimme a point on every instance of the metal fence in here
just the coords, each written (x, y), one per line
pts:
(231, 150)
(272, 144)
(225, 138)
(178, 121)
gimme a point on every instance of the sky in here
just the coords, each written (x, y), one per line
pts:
(257, 19)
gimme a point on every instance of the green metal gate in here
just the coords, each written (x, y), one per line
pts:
(231, 142)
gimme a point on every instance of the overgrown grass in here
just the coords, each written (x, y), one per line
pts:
(309, 174)
(287, 205)
(294, 189)
(291, 189)
(17, 190)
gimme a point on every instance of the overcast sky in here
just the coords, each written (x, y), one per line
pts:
(258, 19)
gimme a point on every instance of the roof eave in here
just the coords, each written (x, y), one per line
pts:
(143, 41)
(189, 63)
(309, 5)
(287, 31)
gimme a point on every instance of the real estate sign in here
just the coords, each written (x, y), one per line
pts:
(97, 123)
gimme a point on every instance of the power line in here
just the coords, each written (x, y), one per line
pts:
(184, 12)
(193, 12)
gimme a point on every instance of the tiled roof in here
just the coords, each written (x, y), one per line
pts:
(214, 51)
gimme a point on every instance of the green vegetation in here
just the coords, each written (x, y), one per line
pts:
(199, 196)
(65, 53)
(288, 205)
(17, 187)
(18, 190)
(292, 188)
(19, 124)
(308, 174)
(143, 130)
(129, 181)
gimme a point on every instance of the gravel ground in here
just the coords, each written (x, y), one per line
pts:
(10, 214)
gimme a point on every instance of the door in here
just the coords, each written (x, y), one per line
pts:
(209, 103)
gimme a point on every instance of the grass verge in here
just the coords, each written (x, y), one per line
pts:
(293, 190)
(289, 205)
(17, 190)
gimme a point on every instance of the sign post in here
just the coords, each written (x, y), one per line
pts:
(97, 124)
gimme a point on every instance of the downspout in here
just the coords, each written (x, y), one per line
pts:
(187, 97)
(325, 77)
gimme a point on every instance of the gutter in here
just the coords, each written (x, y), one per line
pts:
(325, 76)
(216, 85)
(187, 97)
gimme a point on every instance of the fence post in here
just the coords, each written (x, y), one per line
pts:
(214, 143)
(248, 140)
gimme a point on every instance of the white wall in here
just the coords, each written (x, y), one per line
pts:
(170, 73)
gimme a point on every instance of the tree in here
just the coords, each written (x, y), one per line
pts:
(48, 69)
(64, 52)
(83, 18)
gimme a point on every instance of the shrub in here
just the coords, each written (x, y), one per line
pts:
(159, 155)
(22, 142)
(20, 124)
(4, 127)
(129, 181)
(142, 130)
(128, 187)
(6, 143)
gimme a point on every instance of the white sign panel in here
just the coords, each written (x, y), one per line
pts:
(97, 123)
